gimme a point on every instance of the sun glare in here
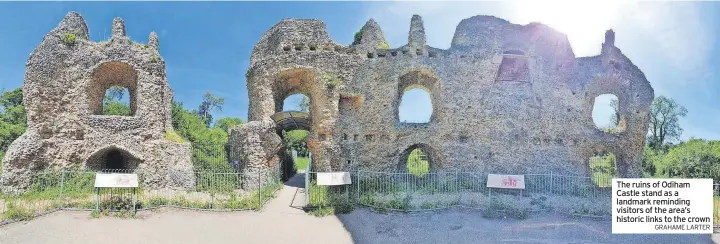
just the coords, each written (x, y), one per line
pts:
(584, 22)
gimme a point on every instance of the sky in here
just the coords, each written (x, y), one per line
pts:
(207, 45)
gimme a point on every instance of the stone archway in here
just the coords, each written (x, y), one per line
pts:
(106, 76)
(429, 155)
(418, 79)
(113, 158)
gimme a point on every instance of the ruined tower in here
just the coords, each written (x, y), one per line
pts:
(66, 78)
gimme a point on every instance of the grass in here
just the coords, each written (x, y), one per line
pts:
(301, 163)
(716, 207)
(325, 201)
(17, 213)
(496, 208)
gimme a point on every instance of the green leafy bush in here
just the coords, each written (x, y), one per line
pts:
(70, 38)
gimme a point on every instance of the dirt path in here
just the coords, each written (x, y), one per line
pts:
(282, 221)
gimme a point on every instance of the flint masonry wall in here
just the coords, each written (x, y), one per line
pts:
(65, 81)
(506, 98)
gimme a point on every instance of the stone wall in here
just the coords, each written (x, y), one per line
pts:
(505, 97)
(65, 82)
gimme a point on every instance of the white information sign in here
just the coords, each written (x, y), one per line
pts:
(116, 180)
(333, 178)
(506, 181)
(662, 206)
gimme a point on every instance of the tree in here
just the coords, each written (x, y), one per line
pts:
(13, 119)
(664, 121)
(295, 139)
(210, 102)
(695, 158)
(226, 124)
(615, 117)
(305, 104)
(115, 93)
(112, 104)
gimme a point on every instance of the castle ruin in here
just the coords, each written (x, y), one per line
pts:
(66, 78)
(505, 98)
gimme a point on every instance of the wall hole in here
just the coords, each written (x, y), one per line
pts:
(605, 112)
(117, 101)
(415, 106)
(417, 162)
(296, 102)
(112, 90)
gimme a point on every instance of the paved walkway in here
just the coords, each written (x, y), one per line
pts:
(282, 221)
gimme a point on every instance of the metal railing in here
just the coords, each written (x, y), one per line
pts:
(74, 190)
(403, 191)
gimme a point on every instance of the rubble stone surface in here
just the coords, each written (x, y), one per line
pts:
(65, 82)
(506, 98)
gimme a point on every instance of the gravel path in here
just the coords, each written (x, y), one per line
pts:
(283, 222)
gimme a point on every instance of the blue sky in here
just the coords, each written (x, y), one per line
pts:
(206, 46)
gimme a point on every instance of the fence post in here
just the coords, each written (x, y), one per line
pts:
(260, 203)
(307, 179)
(212, 189)
(358, 186)
(552, 189)
(62, 182)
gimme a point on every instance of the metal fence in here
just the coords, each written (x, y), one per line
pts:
(403, 191)
(74, 190)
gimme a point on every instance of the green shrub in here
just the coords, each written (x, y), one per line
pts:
(70, 38)
(173, 136)
(331, 80)
(383, 45)
(155, 59)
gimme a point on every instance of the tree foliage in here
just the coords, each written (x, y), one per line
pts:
(226, 124)
(210, 103)
(665, 114)
(305, 104)
(13, 119)
(295, 139)
(113, 104)
(209, 143)
(695, 158)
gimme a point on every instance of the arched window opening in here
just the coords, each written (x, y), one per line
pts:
(602, 168)
(417, 163)
(296, 102)
(415, 106)
(117, 101)
(112, 90)
(606, 112)
(416, 160)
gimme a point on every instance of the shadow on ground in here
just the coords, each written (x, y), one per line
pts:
(468, 226)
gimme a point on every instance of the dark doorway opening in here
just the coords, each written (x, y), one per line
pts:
(115, 160)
